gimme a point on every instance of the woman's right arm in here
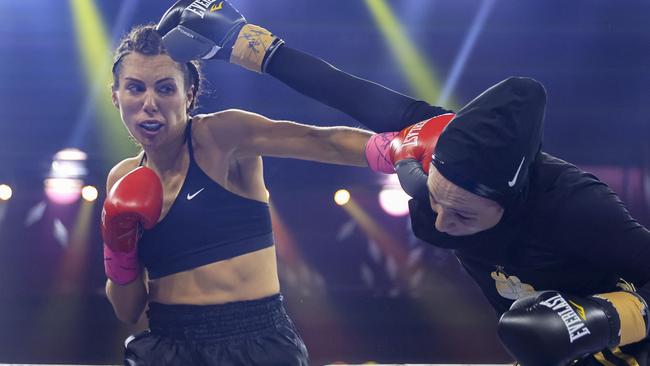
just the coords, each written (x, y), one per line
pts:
(128, 300)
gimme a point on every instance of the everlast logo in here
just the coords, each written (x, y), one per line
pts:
(412, 136)
(574, 324)
(199, 7)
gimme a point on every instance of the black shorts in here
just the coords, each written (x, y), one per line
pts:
(257, 332)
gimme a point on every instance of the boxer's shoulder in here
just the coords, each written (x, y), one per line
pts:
(226, 127)
(121, 169)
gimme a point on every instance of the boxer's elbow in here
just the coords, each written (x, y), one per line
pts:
(128, 301)
(126, 316)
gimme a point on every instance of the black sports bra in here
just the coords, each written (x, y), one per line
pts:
(205, 224)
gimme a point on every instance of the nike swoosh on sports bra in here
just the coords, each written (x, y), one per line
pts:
(205, 224)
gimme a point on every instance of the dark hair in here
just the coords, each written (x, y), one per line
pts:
(144, 39)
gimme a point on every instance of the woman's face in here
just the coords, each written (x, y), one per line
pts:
(460, 212)
(152, 98)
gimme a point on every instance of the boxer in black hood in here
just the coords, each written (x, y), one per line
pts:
(480, 167)
(490, 144)
(547, 242)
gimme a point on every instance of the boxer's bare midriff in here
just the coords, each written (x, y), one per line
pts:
(246, 277)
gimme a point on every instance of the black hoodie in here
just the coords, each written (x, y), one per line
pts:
(562, 229)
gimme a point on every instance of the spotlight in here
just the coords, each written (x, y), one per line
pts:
(63, 191)
(71, 154)
(392, 199)
(63, 185)
(69, 163)
(89, 193)
(5, 192)
(341, 197)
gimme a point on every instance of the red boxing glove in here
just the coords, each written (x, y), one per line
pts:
(418, 141)
(135, 199)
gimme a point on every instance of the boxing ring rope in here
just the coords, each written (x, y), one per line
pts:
(391, 364)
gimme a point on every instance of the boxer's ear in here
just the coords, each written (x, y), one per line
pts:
(114, 98)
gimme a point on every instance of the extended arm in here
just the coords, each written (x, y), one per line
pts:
(375, 106)
(253, 134)
(225, 35)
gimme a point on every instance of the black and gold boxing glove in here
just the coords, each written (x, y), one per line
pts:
(552, 329)
(203, 29)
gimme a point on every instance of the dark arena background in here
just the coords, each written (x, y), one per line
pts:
(359, 286)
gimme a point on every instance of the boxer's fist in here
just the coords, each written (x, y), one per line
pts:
(134, 201)
(416, 142)
(203, 29)
(199, 29)
(552, 329)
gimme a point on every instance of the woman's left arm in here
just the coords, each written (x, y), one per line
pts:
(253, 134)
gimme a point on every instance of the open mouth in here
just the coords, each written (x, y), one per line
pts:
(151, 126)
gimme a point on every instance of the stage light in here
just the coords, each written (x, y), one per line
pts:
(394, 201)
(466, 49)
(69, 163)
(5, 192)
(341, 197)
(89, 193)
(65, 179)
(71, 154)
(422, 79)
(63, 191)
(94, 45)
